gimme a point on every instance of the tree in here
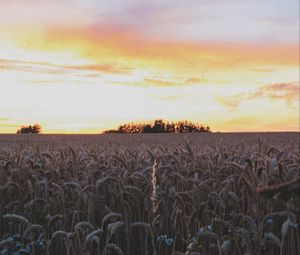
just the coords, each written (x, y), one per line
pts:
(170, 128)
(147, 129)
(31, 129)
(159, 126)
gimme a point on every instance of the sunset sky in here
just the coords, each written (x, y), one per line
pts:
(83, 66)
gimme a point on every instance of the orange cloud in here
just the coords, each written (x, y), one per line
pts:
(231, 102)
(286, 88)
(159, 83)
(286, 91)
(122, 45)
(283, 91)
(105, 68)
(194, 80)
(59, 69)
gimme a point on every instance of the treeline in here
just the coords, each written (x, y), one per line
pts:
(159, 126)
(31, 129)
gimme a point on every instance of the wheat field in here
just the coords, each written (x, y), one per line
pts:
(199, 194)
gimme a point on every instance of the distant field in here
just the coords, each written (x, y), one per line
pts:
(150, 194)
(201, 139)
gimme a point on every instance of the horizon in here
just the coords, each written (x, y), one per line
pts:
(232, 66)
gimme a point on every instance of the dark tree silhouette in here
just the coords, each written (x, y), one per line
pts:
(159, 126)
(170, 128)
(31, 129)
(147, 128)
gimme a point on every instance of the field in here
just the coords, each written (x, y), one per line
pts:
(201, 194)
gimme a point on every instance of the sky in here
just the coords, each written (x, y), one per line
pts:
(83, 66)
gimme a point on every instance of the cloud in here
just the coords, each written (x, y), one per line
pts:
(164, 83)
(168, 97)
(215, 20)
(282, 87)
(194, 80)
(4, 122)
(286, 91)
(148, 82)
(28, 66)
(118, 44)
(50, 68)
(231, 102)
(9, 125)
(159, 83)
(263, 70)
(278, 91)
(103, 68)
(4, 119)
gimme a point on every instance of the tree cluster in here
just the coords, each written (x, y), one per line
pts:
(159, 126)
(31, 129)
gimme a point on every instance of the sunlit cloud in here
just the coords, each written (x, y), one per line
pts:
(58, 69)
(110, 44)
(288, 92)
(159, 83)
(194, 80)
(263, 70)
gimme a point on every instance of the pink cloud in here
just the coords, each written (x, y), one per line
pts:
(279, 91)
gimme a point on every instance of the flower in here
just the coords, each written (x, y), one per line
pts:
(166, 239)
(169, 241)
(269, 221)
